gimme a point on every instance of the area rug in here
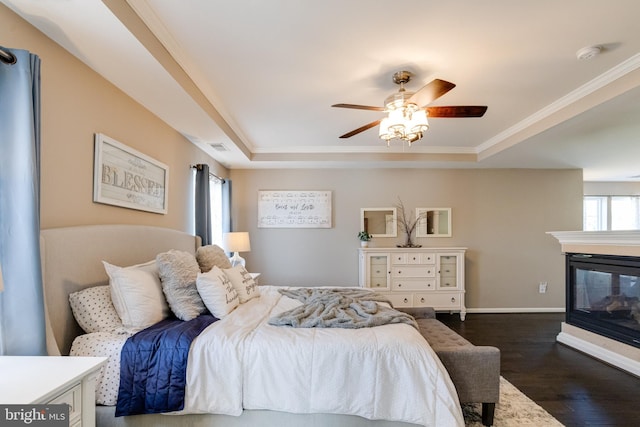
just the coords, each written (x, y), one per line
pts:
(514, 410)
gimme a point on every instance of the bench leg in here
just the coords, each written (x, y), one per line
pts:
(488, 410)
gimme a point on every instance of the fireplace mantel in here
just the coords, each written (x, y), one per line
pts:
(622, 243)
(626, 243)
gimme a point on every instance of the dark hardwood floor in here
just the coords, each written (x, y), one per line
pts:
(576, 389)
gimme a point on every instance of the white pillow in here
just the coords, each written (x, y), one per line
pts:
(137, 295)
(93, 309)
(245, 285)
(217, 292)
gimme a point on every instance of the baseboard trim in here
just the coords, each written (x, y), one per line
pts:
(518, 310)
(607, 356)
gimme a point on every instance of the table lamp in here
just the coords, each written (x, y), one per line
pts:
(236, 242)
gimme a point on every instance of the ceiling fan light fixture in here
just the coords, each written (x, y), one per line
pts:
(407, 123)
(407, 111)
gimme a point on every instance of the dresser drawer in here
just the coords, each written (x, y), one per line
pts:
(378, 271)
(400, 258)
(448, 259)
(448, 282)
(438, 300)
(413, 258)
(73, 398)
(413, 271)
(428, 258)
(378, 260)
(378, 283)
(413, 284)
(400, 300)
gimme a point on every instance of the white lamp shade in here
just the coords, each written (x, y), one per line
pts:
(419, 121)
(237, 241)
(384, 133)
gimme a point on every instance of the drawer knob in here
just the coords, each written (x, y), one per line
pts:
(399, 285)
(453, 300)
(399, 271)
(406, 300)
(421, 299)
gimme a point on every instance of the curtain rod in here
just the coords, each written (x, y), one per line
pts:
(7, 57)
(210, 174)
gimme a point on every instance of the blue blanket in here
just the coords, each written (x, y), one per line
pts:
(153, 366)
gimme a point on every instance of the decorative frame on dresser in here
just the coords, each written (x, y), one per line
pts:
(416, 277)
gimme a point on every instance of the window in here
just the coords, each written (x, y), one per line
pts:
(215, 193)
(210, 217)
(611, 213)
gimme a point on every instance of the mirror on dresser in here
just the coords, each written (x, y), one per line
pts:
(433, 222)
(379, 222)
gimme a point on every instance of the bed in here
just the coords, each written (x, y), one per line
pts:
(279, 376)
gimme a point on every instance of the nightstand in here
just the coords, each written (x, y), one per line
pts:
(52, 379)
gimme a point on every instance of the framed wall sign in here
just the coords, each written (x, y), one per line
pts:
(127, 178)
(294, 209)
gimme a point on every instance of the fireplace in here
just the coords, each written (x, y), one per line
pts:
(603, 295)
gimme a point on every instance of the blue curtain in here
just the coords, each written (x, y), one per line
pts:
(226, 206)
(22, 320)
(203, 204)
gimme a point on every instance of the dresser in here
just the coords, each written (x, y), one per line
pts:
(51, 379)
(416, 277)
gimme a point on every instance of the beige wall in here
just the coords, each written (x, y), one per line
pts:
(500, 215)
(76, 103)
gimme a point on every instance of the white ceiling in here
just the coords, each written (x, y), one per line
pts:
(259, 77)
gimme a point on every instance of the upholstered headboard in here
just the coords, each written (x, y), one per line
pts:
(72, 260)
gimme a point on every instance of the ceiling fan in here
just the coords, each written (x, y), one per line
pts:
(408, 111)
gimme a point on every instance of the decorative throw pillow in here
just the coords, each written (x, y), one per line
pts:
(93, 309)
(217, 292)
(178, 273)
(137, 295)
(245, 285)
(210, 256)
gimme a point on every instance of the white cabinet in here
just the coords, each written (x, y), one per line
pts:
(50, 379)
(416, 277)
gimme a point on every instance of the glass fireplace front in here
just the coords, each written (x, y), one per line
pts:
(603, 295)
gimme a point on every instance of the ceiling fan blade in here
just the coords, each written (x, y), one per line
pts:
(361, 129)
(358, 107)
(457, 111)
(430, 92)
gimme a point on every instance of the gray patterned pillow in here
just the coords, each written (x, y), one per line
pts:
(212, 256)
(178, 273)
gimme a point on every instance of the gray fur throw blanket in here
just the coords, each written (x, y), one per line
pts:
(338, 308)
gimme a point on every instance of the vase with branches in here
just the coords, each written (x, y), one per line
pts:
(408, 224)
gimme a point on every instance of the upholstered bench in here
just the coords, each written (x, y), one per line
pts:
(474, 370)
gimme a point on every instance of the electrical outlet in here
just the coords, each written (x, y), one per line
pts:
(542, 287)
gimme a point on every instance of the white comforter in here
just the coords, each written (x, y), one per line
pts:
(387, 372)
